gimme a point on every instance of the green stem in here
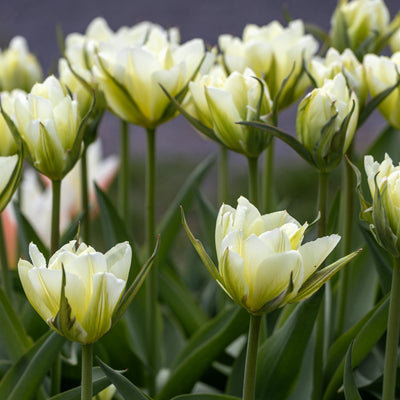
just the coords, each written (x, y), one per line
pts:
(249, 383)
(5, 276)
(223, 175)
(267, 178)
(151, 281)
(347, 218)
(55, 217)
(54, 245)
(85, 196)
(87, 363)
(392, 337)
(320, 324)
(253, 180)
(123, 182)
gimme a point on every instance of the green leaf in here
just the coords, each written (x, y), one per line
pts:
(365, 334)
(205, 397)
(299, 148)
(280, 356)
(350, 387)
(126, 388)
(181, 301)
(12, 334)
(27, 234)
(202, 349)
(171, 222)
(23, 380)
(99, 382)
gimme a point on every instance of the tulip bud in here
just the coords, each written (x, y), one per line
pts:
(274, 53)
(359, 25)
(19, 69)
(48, 122)
(219, 101)
(262, 263)
(384, 213)
(88, 283)
(345, 63)
(326, 122)
(382, 73)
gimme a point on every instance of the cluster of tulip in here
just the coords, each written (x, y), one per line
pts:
(145, 76)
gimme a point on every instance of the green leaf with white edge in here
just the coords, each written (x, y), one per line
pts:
(126, 389)
(365, 334)
(181, 301)
(134, 287)
(197, 124)
(27, 234)
(350, 387)
(208, 263)
(203, 349)
(280, 356)
(374, 103)
(99, 382)
(170, 224)
(24, 378)
(205, 397)
(12, 333)
(320, 277)
(298, 147)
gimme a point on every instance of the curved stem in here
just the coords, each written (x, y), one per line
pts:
(55, 217)
(251, 358)
(392, 337)
(267, 178)
(5, 276)
(253, 180)
(151, 281)
(85, 196)
(223, 175)
(87, 362)
(123, 182)
(347, 217)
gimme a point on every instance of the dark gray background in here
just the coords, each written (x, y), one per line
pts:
(37, 20)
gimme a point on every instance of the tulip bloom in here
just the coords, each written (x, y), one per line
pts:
(262, 263)
(94, 283)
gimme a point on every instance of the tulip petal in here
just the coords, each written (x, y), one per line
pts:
(36, 256)
(119, 260)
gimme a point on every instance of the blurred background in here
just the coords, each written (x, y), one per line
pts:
(207, 19)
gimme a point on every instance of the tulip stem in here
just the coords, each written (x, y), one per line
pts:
(87, 363)
(55, 216)
(322, 199)
(268, 176)
(344, 274)
(249, 383)
(151, 281)
(253, 180)
(5, 277)
(85, 196)
(123, 181)
(392, 337)
(223, 175)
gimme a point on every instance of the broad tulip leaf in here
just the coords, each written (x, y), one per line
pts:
(205, 397)
(299, 148)
(126, 388)
(280, 356)
(170, 225)
(99, 382)
(23, 380)
(181, 301)
(350, 387)
(202, 349)
(27, 234)
(12, 334)
(365, 334)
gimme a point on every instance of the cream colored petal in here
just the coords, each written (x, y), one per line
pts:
(118, 260)
(77, 294)
(277, 240)
(36, 256)
(315, 252)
